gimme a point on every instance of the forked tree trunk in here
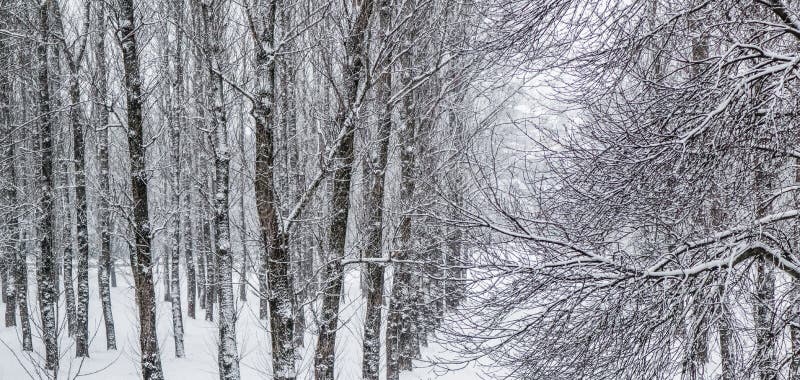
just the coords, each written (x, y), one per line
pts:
(352, 72)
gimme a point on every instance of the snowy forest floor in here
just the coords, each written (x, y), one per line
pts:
(201, 339)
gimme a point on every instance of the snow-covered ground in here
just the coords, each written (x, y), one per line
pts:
(200, 362)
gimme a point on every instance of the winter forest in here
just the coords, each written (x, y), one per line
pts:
(399, 189)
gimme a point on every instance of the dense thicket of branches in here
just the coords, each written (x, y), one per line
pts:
(651, 233)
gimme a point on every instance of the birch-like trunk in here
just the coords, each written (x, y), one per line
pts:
(175, 102)
(228, 355)
(101, 115)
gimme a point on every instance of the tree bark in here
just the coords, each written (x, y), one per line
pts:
(374, 273)
(141, 260)
(352, 70)
(46, 264)
(175, 102)
(81, 201)
(228, 355)
(189, 247)
(101, 127)
(277, 296)
(9, 197)
(399, 322)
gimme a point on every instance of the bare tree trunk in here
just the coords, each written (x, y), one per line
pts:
(210, 264)
(399, 319)
(81, 201)
(46, 263)
(141, 260)
(201, 258)
(764, 356)
(243, 216)
(166, 257)
(276, 300)
(21, 280)
(9, 197)
(725, 341)
(101, 127)
(189, 245)
(228, 355)
(176, 126)
(67, 258)
(374, 273)
(263, 113)
(352, 72)
(23, 245)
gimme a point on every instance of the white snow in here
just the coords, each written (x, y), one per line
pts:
(201, 340)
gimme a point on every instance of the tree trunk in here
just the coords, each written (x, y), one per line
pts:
(374, 204)
(263, 113)
(67, 258)
(141, 260)
(46, 263)
(211, 266)
(189, 247)
(21, 281)
(101, 127)
(352, 72)
(228, 355)
(276, 301)
(399, 319)
(175, 103)
(243, 215)
(81, 201)
(9, 197)
(201, 259)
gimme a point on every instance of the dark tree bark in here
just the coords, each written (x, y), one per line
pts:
(46, 275)
(67, 263)
(210, 292)
(374, 272)
(21, 281)
(189, 247)
(141, 258)
(276, 297)
(352, 73)
(263, 113)
(399, 323)
(9, 198)
(81, 201)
